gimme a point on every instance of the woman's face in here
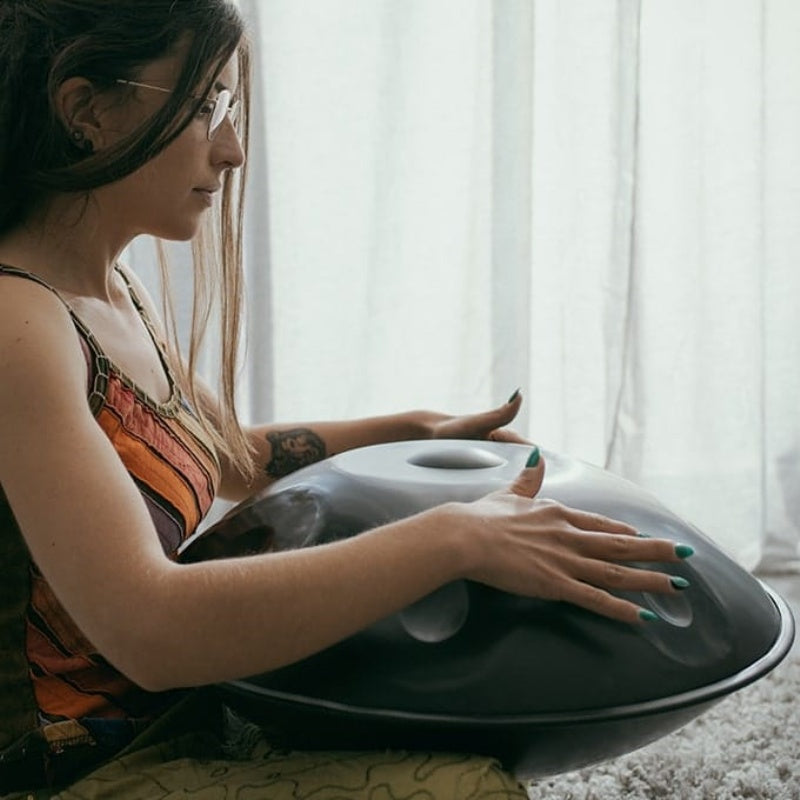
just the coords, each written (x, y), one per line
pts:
(168, 196)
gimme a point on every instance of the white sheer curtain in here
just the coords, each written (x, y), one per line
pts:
(596, 201)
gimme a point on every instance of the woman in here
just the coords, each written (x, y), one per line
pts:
(123, 118)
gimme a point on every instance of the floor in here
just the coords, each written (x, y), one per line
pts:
(788, 587)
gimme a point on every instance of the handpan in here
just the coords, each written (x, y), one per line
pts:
(543, 686)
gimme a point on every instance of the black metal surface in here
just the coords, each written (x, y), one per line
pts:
(543, 686)
(530, 745)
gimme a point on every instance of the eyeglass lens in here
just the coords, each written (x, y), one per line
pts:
(222, 107)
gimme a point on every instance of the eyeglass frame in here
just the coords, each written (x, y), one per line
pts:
(224, 99)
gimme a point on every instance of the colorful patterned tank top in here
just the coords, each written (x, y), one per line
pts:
(50, 674)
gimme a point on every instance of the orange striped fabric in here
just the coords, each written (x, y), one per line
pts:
(174, 465)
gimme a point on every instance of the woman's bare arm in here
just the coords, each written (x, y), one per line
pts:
(166, 624)
(282, 448)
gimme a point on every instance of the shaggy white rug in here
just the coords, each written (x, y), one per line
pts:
(746, 746)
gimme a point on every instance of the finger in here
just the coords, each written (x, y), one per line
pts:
(601, 602)
(499, 417)
(590, 521)
(623, 547)
(605, 575)
(529, 481)
(507, 435)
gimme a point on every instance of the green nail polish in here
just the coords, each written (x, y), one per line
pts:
(683, 551)
(514, 396)
(647, 616)
(679, 583)
(533, 458)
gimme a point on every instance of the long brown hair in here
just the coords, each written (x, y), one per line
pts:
(45, 42)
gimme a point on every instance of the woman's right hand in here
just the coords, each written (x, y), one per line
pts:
(543, 549)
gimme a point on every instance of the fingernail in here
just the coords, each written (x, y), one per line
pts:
(514, 396)
(683, 551)
(647, 616)
(533, 458)
(679, 583)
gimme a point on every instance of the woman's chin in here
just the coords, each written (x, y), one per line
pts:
(180, 230)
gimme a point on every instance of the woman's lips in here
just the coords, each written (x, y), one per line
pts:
(206, 194)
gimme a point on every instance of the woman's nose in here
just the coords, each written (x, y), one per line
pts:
(227, 147)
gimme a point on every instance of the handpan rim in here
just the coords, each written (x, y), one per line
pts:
(702, 695)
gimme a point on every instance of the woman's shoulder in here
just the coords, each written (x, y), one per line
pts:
(39, 345)
(28, 305)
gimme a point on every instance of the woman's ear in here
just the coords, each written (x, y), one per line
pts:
(77, 107)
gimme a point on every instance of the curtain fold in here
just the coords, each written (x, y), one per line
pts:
(699, 261)
(778, 380)
(512, 108)
(379, 174)
(598, 202)
(258, 378)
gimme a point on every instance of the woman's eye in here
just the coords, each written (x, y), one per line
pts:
(207, 108)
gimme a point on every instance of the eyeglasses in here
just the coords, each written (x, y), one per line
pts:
(223, 105)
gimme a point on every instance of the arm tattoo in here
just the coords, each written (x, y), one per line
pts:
(293, 449)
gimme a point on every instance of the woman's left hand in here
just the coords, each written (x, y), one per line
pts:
(484, 425)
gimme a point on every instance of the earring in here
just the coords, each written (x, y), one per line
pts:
(81, 141)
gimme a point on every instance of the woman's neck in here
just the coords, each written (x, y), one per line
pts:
(67, 246)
